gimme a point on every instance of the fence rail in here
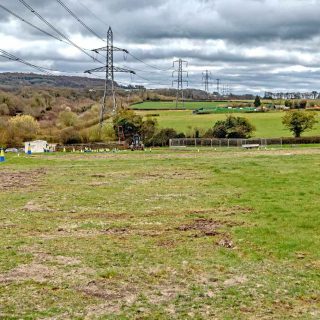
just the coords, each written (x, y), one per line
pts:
(263, 142)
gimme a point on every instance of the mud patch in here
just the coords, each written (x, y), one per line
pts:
(239, 280)
(20, 179)
(206, 227)
(34, 271)
(226, 242)
(95, 289)
(98, 176)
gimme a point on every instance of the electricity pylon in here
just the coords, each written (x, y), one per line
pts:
(109, 70)
(180, 80)
(218, 86)
(206, 79)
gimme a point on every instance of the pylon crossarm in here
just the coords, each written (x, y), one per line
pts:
(101, 69)
(117, 69)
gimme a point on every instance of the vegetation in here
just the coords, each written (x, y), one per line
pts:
(299, 122)
(232, 128)
(17, 130)
(268, 125)
(131, 124)
(160, 235)
(171, 105)
(257, 102)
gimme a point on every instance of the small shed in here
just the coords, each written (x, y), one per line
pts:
(38, 146)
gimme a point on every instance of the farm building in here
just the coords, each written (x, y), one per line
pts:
(39, 146)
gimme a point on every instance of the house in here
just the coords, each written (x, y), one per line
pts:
(38, 146)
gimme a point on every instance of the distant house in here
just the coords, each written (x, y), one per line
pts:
(38, 146)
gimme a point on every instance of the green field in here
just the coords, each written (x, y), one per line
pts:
(268, 124)
(171, 105)
(161, 235)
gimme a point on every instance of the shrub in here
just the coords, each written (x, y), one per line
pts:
(70, 136)
(21, 129)
(162, 137)
(4, 109)
(233, 127)
(129, 121)
(148, 130)
(67, 118)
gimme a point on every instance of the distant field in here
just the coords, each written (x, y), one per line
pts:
(169, 105)
(268, 124)
(231, 235)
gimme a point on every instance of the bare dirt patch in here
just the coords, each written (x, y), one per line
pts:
(206, 227)
(20, 179)
(34, 271)
(238, 280)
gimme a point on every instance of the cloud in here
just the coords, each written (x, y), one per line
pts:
(255, 45)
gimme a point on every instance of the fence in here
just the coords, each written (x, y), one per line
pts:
(263, 142)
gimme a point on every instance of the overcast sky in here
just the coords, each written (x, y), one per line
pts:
(254, 45)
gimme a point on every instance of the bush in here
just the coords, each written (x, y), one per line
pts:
(148, 130)
(70, 136)
(233, 127)
(129, 121)
(21, 129)
(162, 137)
(67, 118)
(4, 109)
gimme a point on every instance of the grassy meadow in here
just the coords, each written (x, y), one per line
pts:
(161, 234)
(171, 105)
(268, 125)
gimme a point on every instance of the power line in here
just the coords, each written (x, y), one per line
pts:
(149, 65)
(56, 30)
(148, 80)
(96, 16)
(12, 57)
(79, 20)
(30, 24)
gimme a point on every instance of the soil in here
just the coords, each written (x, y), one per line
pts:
(13, 180)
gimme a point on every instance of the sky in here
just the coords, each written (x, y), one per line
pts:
(253, 46)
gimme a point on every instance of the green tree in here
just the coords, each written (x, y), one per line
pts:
(164, 135)
(289, 104)
(299, 121)
(257, 102)
(233, 127)
(148, 129)
(129, 121)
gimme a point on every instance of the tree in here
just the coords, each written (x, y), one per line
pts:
(289, 104)
(233, 127)
(148, 129)
(129, 121)
(164, 135)
(299, 121)
(25, 126)
(257, 102)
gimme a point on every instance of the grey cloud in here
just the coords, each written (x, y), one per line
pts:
(258, 37)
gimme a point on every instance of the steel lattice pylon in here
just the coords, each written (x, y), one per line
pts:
(109, 70)
(180, 79)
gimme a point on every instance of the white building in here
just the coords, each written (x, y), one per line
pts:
(38, 146)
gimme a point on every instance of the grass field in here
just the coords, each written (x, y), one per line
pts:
(268, 125)
(161, 235)
(165, 105)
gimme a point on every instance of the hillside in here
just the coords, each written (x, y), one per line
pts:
(15, 80)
